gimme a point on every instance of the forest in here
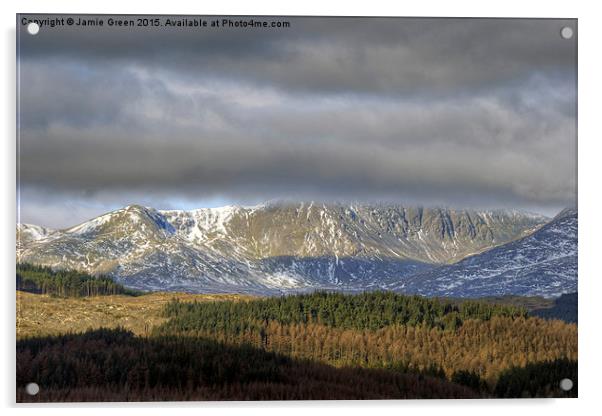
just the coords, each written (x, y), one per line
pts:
(313, 346)
(66, 283)
(370, 310)
(382, 330)
(113, 365)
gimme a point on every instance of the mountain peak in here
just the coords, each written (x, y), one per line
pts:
(136, 207)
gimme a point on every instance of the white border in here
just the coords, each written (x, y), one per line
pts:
(590, 206)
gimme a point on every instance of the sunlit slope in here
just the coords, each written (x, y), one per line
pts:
(271, 247)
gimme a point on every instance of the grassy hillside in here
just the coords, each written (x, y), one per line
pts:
(41, 315)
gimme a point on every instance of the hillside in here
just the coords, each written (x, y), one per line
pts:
(319, 346)
(44, 315)
(113, 365)
(541, 264)
(270, 248)
(381, 329)
(565, 308)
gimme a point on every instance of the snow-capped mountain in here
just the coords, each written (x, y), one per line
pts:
(543, 263)
(272, 247)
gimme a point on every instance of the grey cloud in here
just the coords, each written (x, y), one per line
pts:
(342, 147)
(332, 54)
(462, 112)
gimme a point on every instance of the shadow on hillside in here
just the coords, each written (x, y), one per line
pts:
(114, 365)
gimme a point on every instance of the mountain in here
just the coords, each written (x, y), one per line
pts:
(543, 263)
(277, 246)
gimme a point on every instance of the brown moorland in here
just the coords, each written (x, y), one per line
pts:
(43, 315)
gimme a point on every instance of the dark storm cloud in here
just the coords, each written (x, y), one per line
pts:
(331, 54)
(473, 112)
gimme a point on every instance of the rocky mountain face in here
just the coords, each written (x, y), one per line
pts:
(543, 263)
(273, 247)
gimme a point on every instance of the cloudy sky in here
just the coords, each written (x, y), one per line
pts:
(458, 112)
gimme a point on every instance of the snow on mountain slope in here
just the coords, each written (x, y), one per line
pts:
(543, 263)
(319, 230)
(271, 247)
(29, 233)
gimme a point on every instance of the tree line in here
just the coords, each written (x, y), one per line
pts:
(370, 310)
(66, 283)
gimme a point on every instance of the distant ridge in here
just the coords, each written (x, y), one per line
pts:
(272, 247)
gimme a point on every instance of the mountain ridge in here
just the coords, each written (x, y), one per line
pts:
(277, 245)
